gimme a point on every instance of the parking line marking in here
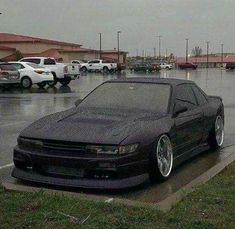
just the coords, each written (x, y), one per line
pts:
(6, 166)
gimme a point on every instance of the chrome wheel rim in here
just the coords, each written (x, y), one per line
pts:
(219, 130)
(164, 155)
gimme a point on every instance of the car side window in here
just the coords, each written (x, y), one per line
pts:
(49, 61)
(184, 95)
(32, 60)
(201, 98)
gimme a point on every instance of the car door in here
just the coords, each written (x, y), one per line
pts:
(189, 124)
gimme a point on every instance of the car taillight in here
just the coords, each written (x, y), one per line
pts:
(39, 71)
(65, 69)
(4, 73)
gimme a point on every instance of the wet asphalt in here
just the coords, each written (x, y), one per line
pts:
(19, 108)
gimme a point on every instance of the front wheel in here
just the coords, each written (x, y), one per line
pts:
(161, 159)
(216, 137)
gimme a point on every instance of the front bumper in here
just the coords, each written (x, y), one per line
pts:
(80, 183)
(95, 173)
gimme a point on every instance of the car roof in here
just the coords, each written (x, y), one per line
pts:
(173, 82)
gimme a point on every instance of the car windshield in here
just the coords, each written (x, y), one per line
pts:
(148, 97)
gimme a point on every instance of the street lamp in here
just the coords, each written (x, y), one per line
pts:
(222, 54)
(207, 54)
(159, 47)
(187, 39)
(118, 35)
(100, 44)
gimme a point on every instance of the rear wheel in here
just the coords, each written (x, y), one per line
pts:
(42, 84)
(26, 82)
(65, 82)
(105, 70)
(53, 83)
(216, 137)
(161, 159)
(83, 69)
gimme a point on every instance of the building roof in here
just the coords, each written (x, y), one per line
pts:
(13, 38)
(3, 48)
(203, 59)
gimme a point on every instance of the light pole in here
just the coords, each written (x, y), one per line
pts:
(100, 44)
(187, 39)
(118, 37)
(159, 47)
(207, 54)
(222, 54)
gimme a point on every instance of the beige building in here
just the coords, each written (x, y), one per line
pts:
(61, 51)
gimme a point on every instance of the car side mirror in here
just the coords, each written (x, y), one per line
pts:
(179, 109)
(77, 102)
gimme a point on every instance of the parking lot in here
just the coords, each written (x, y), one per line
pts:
(18, 108)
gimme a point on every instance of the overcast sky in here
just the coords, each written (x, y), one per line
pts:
(140, 21)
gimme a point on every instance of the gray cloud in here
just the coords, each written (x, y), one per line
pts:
(139, 20)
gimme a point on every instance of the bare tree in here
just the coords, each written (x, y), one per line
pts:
(197, 51)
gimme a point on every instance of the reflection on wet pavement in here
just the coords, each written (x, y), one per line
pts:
(18, 108)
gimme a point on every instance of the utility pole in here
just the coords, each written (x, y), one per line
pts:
(154, 52)
(207, 54)
(222, 54)
(159, 47)
(187, 39)
(100, 45)
(118, 37)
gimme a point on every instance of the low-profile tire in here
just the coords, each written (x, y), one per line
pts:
(53, 83)
(83, 69)
(216, 137)
(42, 84)
(161, 159)
(26, 82)
(65, 82)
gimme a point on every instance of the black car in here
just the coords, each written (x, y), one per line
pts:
(144, 68)
(123, 133)
(230, 66)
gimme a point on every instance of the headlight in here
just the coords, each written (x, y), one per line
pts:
(102, 149)
(29, 143)
(114, 150)
(127, 149)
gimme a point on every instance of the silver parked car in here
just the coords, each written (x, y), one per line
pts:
(8, 75)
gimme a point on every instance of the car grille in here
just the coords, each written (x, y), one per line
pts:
(73, 147)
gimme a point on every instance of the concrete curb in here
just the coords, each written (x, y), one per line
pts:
(164, 205)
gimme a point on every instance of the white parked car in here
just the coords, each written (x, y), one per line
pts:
(165, 66)
(62, 73)
(98, 65)
(31, 73)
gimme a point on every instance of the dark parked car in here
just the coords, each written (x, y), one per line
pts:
(123, 133)
(230, 66)
(187, 65)
(8, 75)
(144, 68)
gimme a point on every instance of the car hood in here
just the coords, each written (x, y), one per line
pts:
(89, 125)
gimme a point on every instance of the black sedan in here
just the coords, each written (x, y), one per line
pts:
(145, 68)
(123, 133)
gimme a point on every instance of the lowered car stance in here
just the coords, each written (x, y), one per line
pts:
(122, 134)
